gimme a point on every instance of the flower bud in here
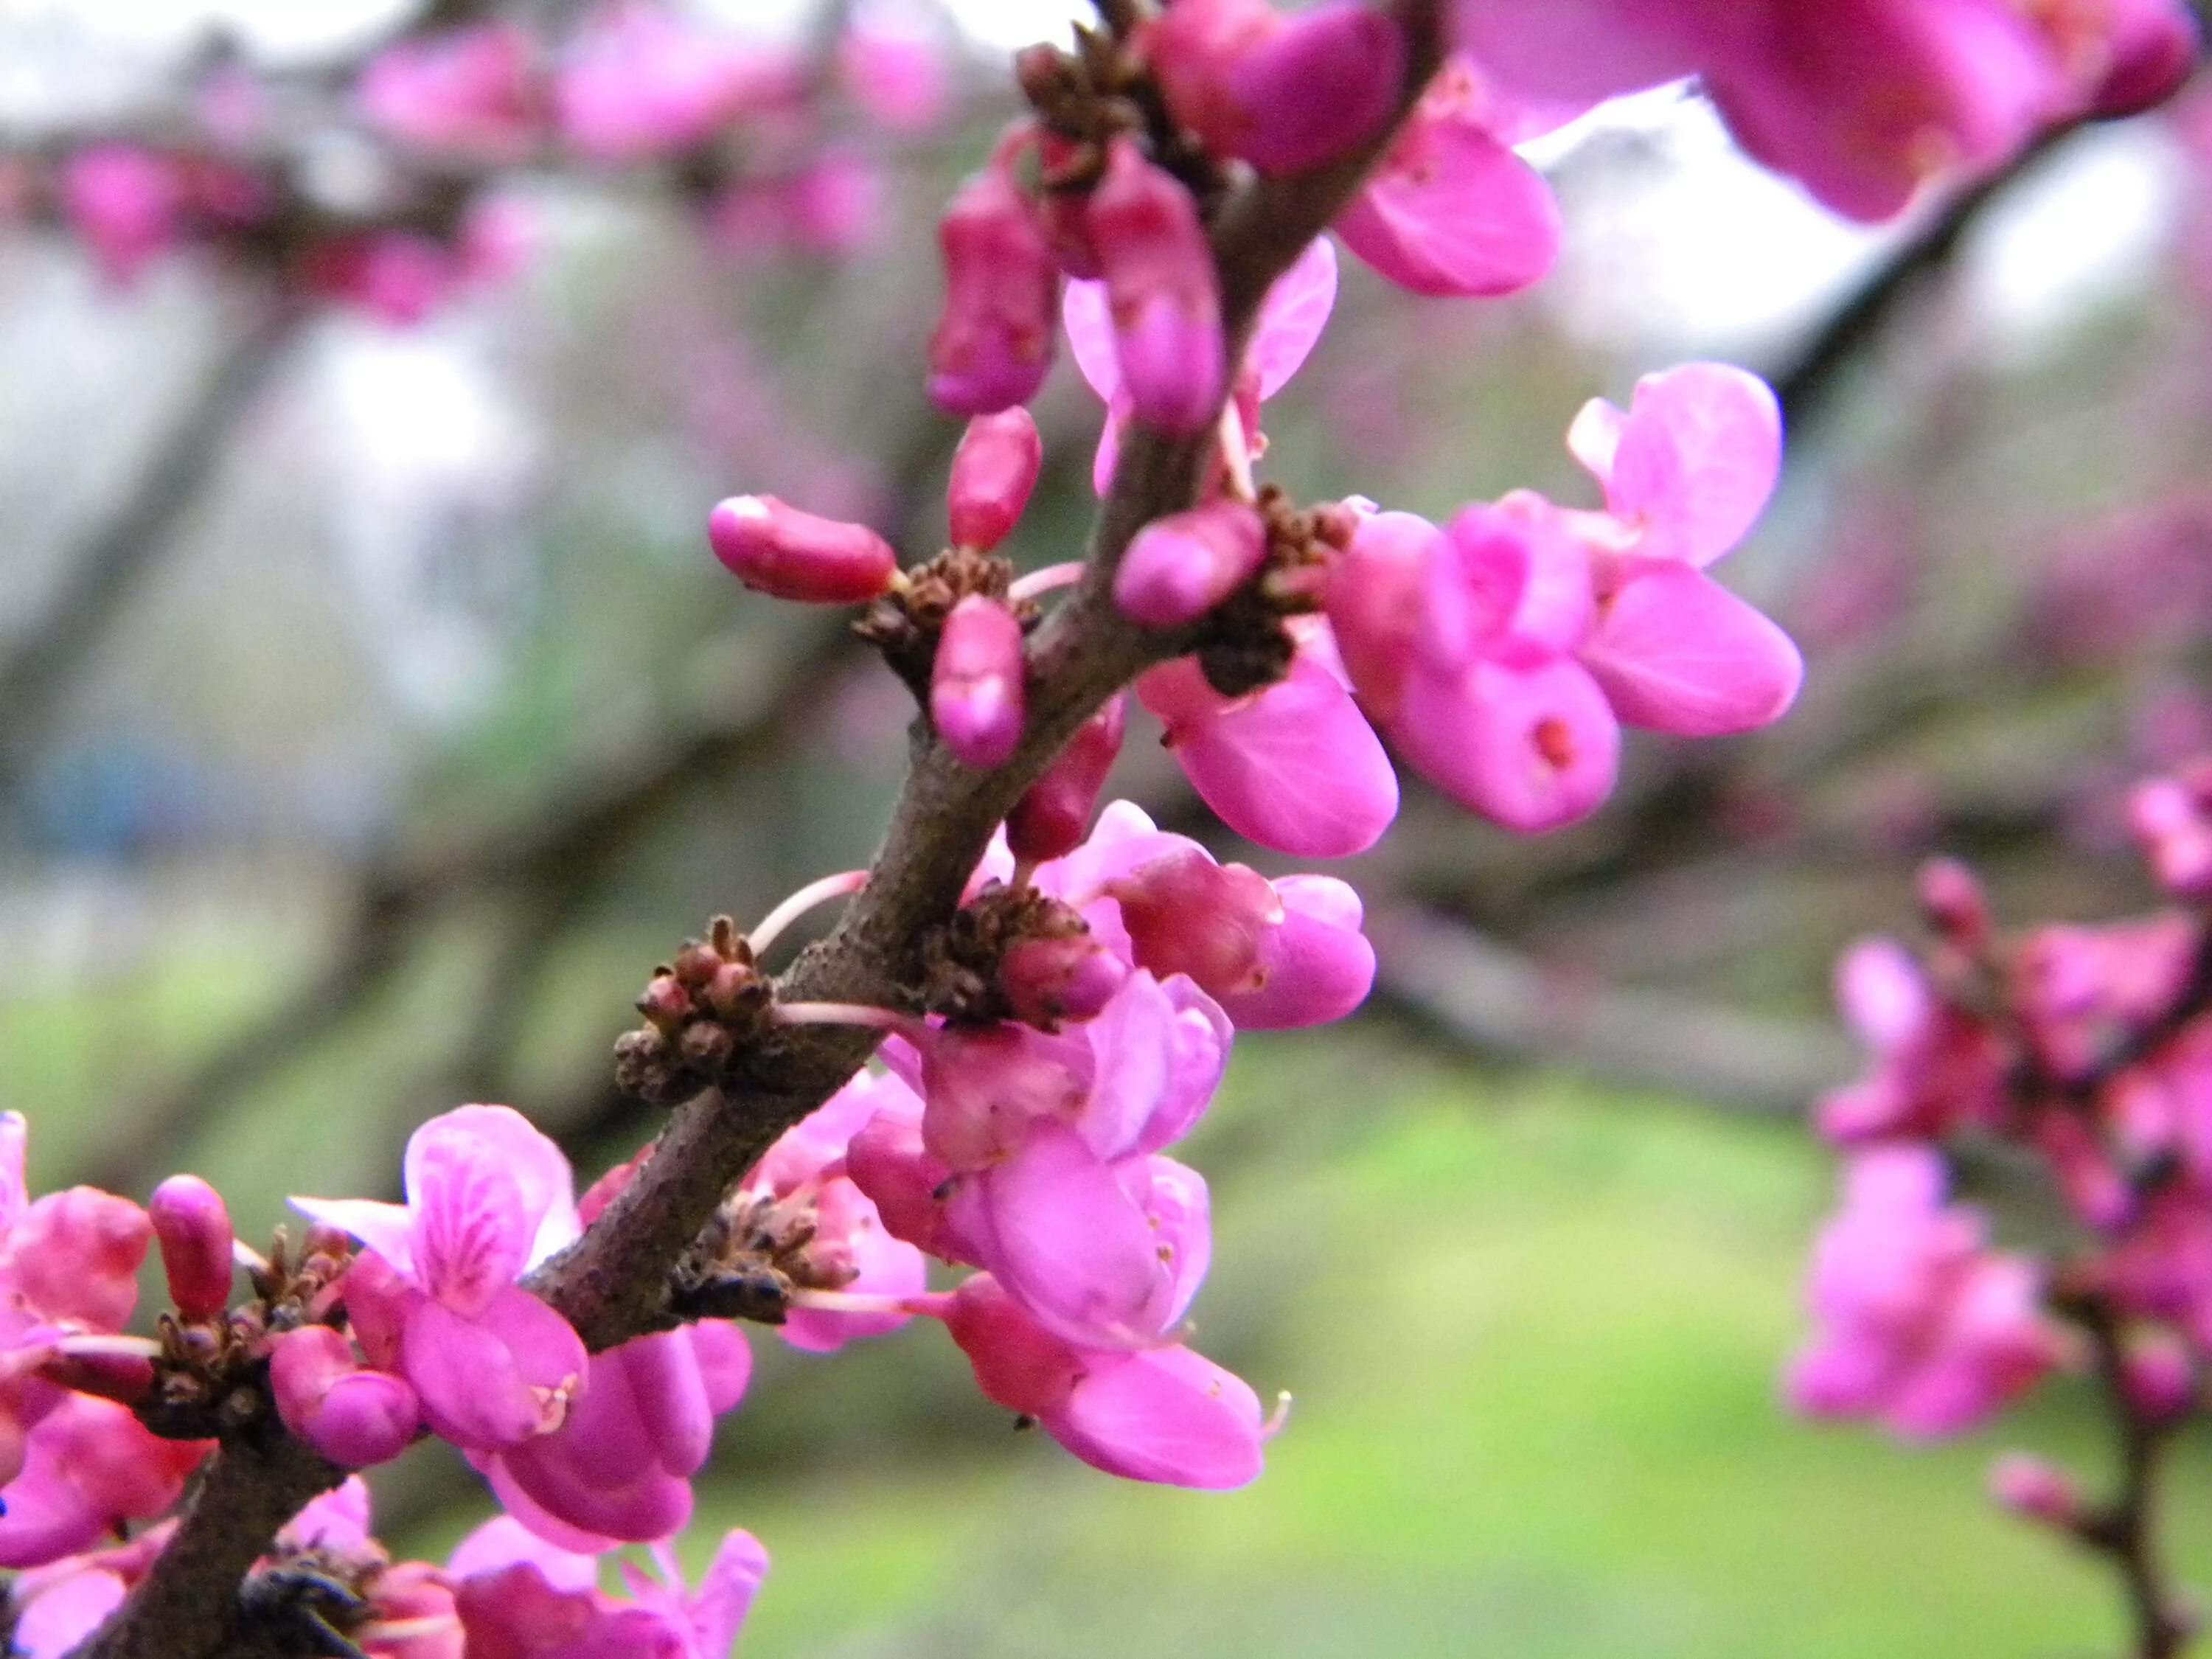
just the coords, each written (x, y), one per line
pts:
(1952, 899)
(975, 684)
(1187, 914)
(1179, 568)
(993, 470)
(790, 554)
(192, 1228)
(1285, 95)
(994, 339)
(1162, 291)
(1046, 980)
(2034, 1489)
(2159, 1380)
(1048, 820)
(352, 1415)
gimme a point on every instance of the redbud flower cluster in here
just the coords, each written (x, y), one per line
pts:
(2088, 1049)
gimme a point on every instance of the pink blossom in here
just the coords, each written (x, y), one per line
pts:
(1920, 1324)
(993, 344)
(893, 61)
(1162, 1414)
(1295, 766)
(350, 1413)
(398, 277)
(1161, 292)
(88, 1467)
(469, 91)
(1451, 210)
(639, 79)
(1180, 566)
(2172, 819)
(433, 1295)
(788, 554)
(519, 1598)
(1936, 1067)
(126, 202)
(976, 690)
(2080, 991)
(1286, 93)
(60, 1603)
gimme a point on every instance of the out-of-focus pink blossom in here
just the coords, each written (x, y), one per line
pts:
(1921, 1325)
(640, 80)
(894, 62)
(126, 202)
(472, 92)
(994, 340)
(1936, 1069)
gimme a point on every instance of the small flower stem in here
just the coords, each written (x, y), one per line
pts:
(404, 1630)
(123, 1348)
(846, 1014)
(1045, 580)
(859, 1302)
(1237, 454)
(2126, 1531)
(814, 893)
(1025, 874)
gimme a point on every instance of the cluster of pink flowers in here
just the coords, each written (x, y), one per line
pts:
(637, 82)
(2089, 1047)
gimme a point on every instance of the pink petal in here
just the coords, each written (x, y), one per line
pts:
(496, 1380)
(504, 1541)
(1132, 1040)
(726, 1362)
(1089, 320)
(1528, 740)
(472, 1234)
(1583, 50)
(726, 1592)
(1291, 318)
(1677, 652)
(1315, 964)
(51, 1623)
(1452, 211)
(1166, 1415)
(1696, 461)
(1070, 1246)
(1295, 767)
(387, 1229)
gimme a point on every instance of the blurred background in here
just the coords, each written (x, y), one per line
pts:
(372, 716)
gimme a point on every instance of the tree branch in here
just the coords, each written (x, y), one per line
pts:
(613, 1282)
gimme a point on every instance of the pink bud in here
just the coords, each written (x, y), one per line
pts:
(1048, 822)
(2159, 1380)
(1046, 981)
(1179, 568)
(1187, 914)
(790, 554)
(353, 1416)
(1162, 289)
(1284, 93)
(192, 1228)
(1952, 899)
(2031, 1488)
(975, 684)
(993, 470)
(994, 338)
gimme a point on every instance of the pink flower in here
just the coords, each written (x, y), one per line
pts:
(350, 1413)
(1286, 93)
(1921, 1325)
(639, 79)
(993, 344)
(1451, 210)
(1295, 767)
(398, 277)
(1936, 1068)
(893, 62)
(1162, 1414)
(432, 1296)
(1180, 566)
(519, 1598)
(1160, 292)
(127, 202)
(469, 91)
(56, 1605)
(2172, 819)
(88, 1467)
(1686, 472)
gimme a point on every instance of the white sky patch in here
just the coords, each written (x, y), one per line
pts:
(1010, 25)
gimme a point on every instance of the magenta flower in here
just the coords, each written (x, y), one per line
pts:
(127, 202)
(1163, 1414)
(1686, 472)
(468, 92)
(1451, 210)
(893, 62)
(57, 1605)
(792, 554)
(1286, 93)
(994, 340)
(1936, 1068)
(1921, 1325)
(1161, 295)
(2172, 820)
(88, 1467)
(1180, 566)
(519, 1597)
(432, 1296)
(1295, 767)
(349, 1411)
(639, 79)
